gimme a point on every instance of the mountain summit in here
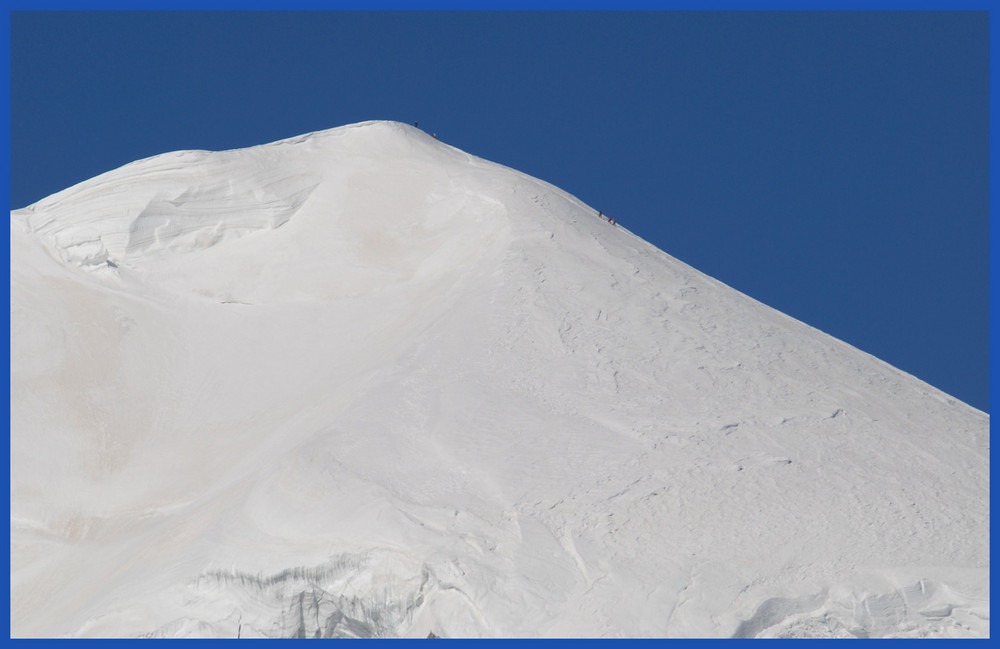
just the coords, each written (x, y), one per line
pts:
(359, 383)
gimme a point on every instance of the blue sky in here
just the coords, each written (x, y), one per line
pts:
(833, 165)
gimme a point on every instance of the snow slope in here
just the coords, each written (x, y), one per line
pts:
(361, 383)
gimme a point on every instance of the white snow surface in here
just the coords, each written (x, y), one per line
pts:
(361, 383)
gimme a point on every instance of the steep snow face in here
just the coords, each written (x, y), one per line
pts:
(360, 383)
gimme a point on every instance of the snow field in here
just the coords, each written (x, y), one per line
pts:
(360, 383)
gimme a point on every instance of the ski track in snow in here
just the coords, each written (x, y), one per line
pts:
(359, 383)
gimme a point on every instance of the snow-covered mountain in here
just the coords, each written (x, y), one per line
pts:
(361, 383)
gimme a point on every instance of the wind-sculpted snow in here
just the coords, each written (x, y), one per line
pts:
(190, 201)
(359, 383)
(917, 610)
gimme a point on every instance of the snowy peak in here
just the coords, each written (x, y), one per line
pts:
(376, 203)
(192, 200)
(360, 383)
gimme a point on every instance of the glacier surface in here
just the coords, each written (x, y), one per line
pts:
(360, 383)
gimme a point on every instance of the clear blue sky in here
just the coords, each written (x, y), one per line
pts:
(833, 165)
